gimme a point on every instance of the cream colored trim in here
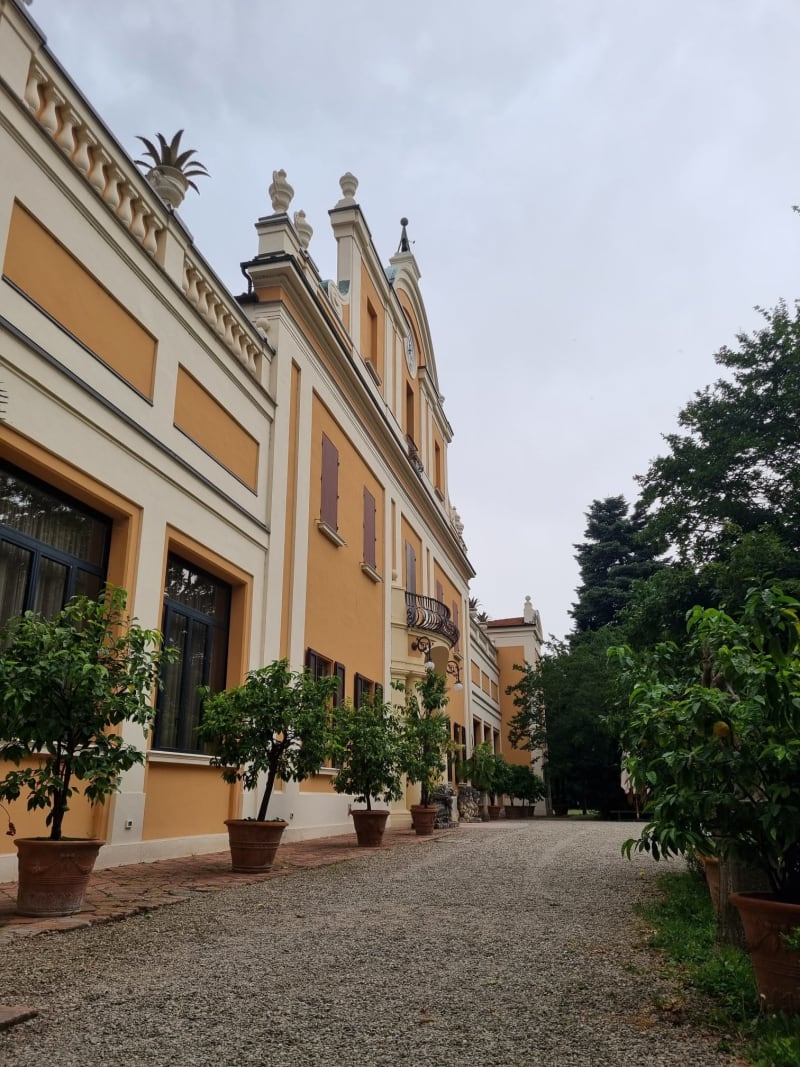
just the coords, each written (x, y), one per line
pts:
(371, 573)
(331, 534)
(195, 759)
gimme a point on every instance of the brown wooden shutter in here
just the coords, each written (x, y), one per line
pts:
(362, 689)
(411, 568)
(329, 507)
(440, 592)
(457, 621)
(338, 670)
(369, 529)
(312, 663)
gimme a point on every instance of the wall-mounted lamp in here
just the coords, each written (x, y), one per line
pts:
(423, 645)
(455, 669)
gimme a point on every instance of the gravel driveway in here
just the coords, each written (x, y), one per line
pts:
(493, 945)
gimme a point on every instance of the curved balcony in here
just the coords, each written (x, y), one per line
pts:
(432, 616)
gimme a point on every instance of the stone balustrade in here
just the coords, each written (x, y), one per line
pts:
(128, 196)
(79, 142)
(211, 307)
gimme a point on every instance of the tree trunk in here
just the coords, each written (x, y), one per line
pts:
(735, 877)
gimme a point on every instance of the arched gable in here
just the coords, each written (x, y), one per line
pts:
(405, 282)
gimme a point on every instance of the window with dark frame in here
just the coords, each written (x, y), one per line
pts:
(320, 666)
(51, 547)
(196, 621)
(365, 690)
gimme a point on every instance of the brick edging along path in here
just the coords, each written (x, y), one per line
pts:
(116, 892)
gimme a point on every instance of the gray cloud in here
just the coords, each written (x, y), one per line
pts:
(598, 192)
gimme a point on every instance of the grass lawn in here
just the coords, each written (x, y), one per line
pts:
(682, 924)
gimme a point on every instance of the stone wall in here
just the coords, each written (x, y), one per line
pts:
(447, 815)
(470, 808)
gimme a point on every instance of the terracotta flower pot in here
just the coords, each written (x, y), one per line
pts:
(369, 826)
(424, 816)
(777, 966)
(253, 844)
(54, 875)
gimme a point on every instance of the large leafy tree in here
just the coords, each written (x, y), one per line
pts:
(614, 554)
(735, 468)
(569, 689)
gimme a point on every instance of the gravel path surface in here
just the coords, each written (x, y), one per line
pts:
(493, 946)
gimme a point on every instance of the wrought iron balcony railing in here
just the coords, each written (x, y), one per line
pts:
(425, 613)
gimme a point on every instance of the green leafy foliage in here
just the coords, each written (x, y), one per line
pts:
(581, 759)
(502, 778)
(736, 469)
(683, 924)
(615, 553)
(524, 784)
(427, 733)
(367, 748)
(66, 683)
(712, 733)
(527, 728)
(275, 724)
(480, 767)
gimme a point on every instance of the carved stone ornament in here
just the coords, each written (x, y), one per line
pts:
(348, 183)
(304, 228)
(169, 183)
(280, 192)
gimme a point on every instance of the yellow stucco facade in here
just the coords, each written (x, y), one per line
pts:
(285, 451)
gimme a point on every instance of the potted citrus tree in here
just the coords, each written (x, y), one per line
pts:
(169, 170)
(712, 729)
(501, 781)
(367, 748)
(66, 685)
(426, 741)
(531, 788)
(273, 726)
(480, 769)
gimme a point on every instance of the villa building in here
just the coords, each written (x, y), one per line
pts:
(266, 475)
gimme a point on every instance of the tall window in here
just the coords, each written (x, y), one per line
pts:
(329, 505)
(196, 622)
(365, 690)
(410, 411)
(51, 547)
(322, 667)
(372, 336)
(369, 529)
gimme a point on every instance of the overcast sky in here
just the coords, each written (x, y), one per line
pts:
(599, 192)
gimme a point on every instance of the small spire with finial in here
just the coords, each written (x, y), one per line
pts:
(405, 244)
